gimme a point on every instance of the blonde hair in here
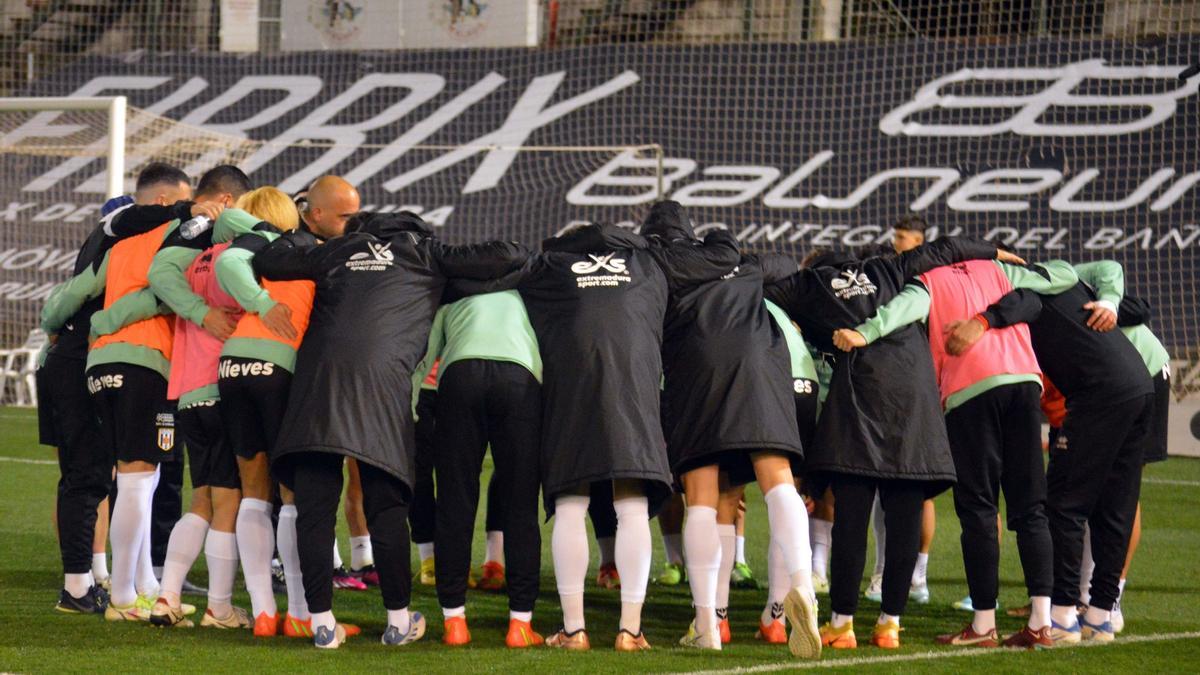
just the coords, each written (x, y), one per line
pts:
(272, 205)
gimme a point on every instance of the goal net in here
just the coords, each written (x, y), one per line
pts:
(1060, 128)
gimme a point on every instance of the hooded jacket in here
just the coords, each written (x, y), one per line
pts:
(883, 417)
(376, 293)
(597, 297)
(728, 386)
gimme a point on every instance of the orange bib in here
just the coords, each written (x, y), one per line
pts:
(128, 266)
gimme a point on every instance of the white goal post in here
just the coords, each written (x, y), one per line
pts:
(116, 106)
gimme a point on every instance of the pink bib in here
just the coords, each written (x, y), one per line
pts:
(196, 352)
(961, 291)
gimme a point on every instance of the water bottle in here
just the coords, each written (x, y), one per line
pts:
(195, 227)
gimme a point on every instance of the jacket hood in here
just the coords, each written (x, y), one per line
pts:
(668, 220)
(389, 225)
(594, 239)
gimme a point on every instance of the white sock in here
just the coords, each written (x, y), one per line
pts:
(1097, 616)
(425, 550)
(221, 554)
(726, 534)
(361, 553)
(839, 620)
(884, 618)
(495, 546)
(451, 612)
(921, 570)
(779, 582)
(77, 584)
(1064, 615)
(146, 581)
(520, 616)
(184, 546)
(877, 523)
(673, 546)
(323, 620)
(337, 555)
(703, 547)
(741, 548)
(255, 547)
(985, 620)
(289, 554)
(632, 555)
(99, 566)
(1086, 566)
(788, 521)
(130, 520)
(820, 534)
(608, 550)
(1039, 612)
(1120, 588)
(569, 547)
(399, 618)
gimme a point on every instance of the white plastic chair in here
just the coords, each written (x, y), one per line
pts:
(20, 364)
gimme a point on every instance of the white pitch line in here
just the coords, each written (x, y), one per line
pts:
(1171, 481)
(926, 656)
(22, 460)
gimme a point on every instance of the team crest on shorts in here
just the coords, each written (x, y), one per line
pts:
(166, 431)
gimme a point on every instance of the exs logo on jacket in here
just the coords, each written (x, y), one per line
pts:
(853, 285)
(379, 258)
(586, 271)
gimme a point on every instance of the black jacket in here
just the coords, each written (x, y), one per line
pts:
(728, 384)
(883, 417)
(377, 291)
(1090, 368)
(596, 298)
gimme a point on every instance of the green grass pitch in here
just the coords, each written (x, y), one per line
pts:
(1162, 606)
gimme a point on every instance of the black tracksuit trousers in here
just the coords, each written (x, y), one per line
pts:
(481, 402)
(317, 479)
(424, 504)
(1096, 480)
(902, 503)
(996, 441)
(85, 460)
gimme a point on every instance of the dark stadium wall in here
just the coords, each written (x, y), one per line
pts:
(1075, 148)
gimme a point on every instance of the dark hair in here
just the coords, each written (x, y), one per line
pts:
(911, 222)
(222, 179)
(160, 173)
(826, 257)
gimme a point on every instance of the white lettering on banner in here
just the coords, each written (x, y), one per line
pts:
(1063, 201)
(42, 124)
(42, 256)
(14, 208)
(630, 184)
(1030, 108)
(989, 183)
(346, 138)
(143, 153)
(742, 191)
(16, 291)
(1176, 191)
(299, 89)
(54, 212)
(944, 179)
(422, 130)
(528, 114)
(607, 177)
